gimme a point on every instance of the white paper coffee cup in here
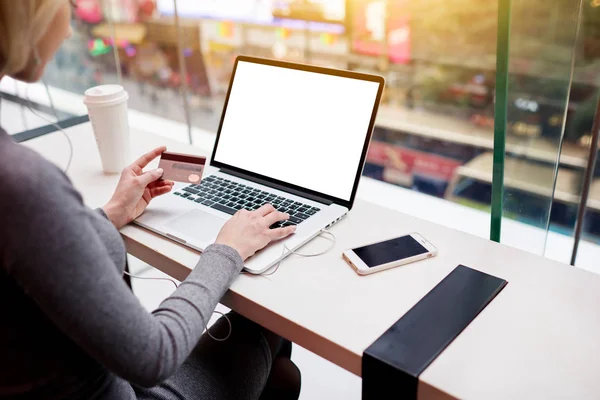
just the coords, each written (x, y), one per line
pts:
(107, 108)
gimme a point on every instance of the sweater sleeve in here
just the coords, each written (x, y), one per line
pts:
(61, 261)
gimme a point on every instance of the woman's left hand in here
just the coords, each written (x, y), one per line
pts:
(136, 189)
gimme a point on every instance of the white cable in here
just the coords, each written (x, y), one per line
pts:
(149, 278)
(274, 268)
(53, 123)
(228, 333)
(176, 286)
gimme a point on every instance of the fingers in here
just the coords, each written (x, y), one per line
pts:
(280, 233)
(159, 191)
(158, 188)
(275, 216)
(151, 176)
(265, 209)
(146, 158)
(160, 183)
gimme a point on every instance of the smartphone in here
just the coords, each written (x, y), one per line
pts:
(389, 254)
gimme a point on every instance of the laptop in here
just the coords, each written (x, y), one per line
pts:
(292, 135)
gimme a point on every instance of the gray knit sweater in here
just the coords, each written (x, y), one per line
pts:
(70, 326)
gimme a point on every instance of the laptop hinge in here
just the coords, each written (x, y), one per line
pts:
(278, 187)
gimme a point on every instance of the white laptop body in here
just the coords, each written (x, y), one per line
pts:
(292, 135)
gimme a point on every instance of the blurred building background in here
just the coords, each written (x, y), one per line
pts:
(434, 132)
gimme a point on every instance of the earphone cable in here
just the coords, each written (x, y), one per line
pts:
(53, 123)
(274, 268)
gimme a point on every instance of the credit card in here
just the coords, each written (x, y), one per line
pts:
(182, 167)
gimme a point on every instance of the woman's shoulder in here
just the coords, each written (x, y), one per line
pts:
(26, 174)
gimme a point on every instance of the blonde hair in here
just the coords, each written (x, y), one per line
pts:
(22, 25)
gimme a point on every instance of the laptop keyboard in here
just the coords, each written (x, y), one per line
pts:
(229, 197)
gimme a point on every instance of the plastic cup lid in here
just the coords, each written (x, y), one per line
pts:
(104, 94)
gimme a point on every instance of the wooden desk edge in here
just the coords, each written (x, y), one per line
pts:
(427, 392)
(263, 316)
(298, 334)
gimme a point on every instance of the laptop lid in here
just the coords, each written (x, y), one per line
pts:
(300, 128)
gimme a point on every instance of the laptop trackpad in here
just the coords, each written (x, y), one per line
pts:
(197, 224)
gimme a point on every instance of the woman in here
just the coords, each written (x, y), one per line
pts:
(71, 328)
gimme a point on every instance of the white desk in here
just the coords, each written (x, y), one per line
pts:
(540, 338)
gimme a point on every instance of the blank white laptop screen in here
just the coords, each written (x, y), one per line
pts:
(304, 128)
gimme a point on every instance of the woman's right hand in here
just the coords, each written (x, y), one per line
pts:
(248, 231)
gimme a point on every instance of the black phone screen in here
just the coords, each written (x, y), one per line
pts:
(389, 251)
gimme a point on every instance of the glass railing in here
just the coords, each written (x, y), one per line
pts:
(584, 112)
(541, 182)
(549, 110)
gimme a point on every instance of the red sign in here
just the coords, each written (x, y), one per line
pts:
(89, 11)
(412, 162)
(398, 32)
(371, 17)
